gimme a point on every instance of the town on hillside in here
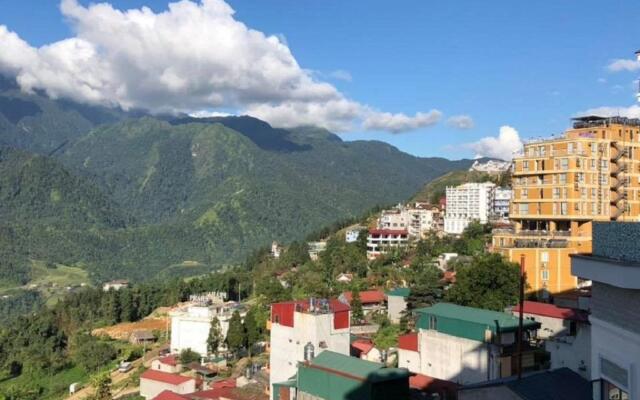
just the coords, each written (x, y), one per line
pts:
(523, 291)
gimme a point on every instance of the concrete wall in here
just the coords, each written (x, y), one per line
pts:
(396, 305)
(616, 305)
(456, 359)
(158, 366)
(150, 388)
(410, 360)
(189, 333)
(573, 352)
(287, 343)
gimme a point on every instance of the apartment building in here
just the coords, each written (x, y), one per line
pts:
(614, 270)
(418, 219)
(501, 202)
(466, 203)
(560, 185)
(380, 241)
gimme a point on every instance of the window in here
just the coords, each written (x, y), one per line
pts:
(556, 192)
(433, 322)
(525, 165)
(524, 208)
(569, 148)
(564, 163)
(564, 208)
(544, 256)
(524, 193)
(545, 275)
(276, 319)
(563, 178)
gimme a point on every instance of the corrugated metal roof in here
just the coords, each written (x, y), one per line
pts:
(502, 322)
(402, 292)
(559, 384)
(347, 364)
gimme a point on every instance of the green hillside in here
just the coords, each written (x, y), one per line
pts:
(134, 197)
(435, 189)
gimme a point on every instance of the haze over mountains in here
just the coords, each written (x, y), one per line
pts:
(131, 195)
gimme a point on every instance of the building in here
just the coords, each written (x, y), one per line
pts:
(397, 303)
(190, 324)
(352, 233)
(614, 270)
(364, 349)
(313, 325)
(418, 219)
(466, 203)
(115, 285)
(335, 376)
(142, 336)
(153, 382)
(276, 249)
(560, 186)
(372, 301)
(465, 345)
(315, 248)
(492, 167)
(501, 203)
(380, 241)
(169, 395)
(344, 278)
(170, 364)
(566, 334)
(560, 384)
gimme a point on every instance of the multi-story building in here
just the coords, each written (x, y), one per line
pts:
(563, 184)
(491, 166)
(501, 201)
(614, 270)
(418, 219)
(299, 327)
(380, 241)
(466, 203)
(190, 323)
(465, 345)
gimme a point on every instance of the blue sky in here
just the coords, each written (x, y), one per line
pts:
(501, 63)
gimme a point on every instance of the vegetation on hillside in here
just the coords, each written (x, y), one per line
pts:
(433, 191)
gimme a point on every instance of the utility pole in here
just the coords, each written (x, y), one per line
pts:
(521, 316)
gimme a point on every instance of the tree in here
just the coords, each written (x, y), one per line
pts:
(101, 382)
(236, 337)
(488, 282)
(91, 353)
(386, 336)
(215, 336)
(188, 356)
(357, 314)
(426, 286)
(252, 329)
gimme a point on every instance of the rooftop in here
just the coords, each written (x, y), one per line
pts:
(408, 342)
(170, 360)
(494, 320)
(367, 296)
(159, 376)
(364, 346)
(589, 121)
(355, 367)
(553, 311)
(402, 292)
(169, 395)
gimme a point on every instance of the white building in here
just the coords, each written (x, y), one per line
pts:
(614, 270)
(190, 324)
(501, 199)
(276, 249)
(566, 332)
(316, 325)
(464, 345)
(315, 248)
(418, 219)
(115, 285)
(491, 166)
(380, 241)
(352, 233)
(466, 203)
(170, 364)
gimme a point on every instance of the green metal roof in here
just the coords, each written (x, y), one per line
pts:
(470, 322)
(402, 292)
(350, 365)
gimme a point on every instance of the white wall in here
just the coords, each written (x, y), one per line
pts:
(619, 346)
(410, 360)
(455, 359)
(287, 343)
(158, 366)
(396, 305)
(573, 352)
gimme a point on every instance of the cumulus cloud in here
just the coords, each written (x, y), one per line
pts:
(503, 146)
(398, 123)
(606, 111)
(193, 56)
(623, 65)
(342, 75)
(460, 122)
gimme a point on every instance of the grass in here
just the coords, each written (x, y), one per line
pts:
(55, 386)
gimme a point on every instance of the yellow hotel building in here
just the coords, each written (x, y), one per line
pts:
(562, 184)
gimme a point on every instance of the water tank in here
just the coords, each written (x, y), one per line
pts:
(309, 351)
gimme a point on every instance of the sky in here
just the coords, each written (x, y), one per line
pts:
(451, 79)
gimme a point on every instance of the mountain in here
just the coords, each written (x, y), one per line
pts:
(133, 196)
(435, 189)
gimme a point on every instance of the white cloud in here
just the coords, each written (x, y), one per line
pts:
(503, 146)
(606, 111)
(190, 57)
(342, 75)
(398, 123)
(460, 122)
(623, 65)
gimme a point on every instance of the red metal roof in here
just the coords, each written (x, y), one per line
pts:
(551, 310)
(172, 379)
(449, 276)
(364, 346)
(227, 383)
(429, 384)
(367, 296)
(169, 395)
(169, 360)
(282, 313)
(388, 232)
(408, 342)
